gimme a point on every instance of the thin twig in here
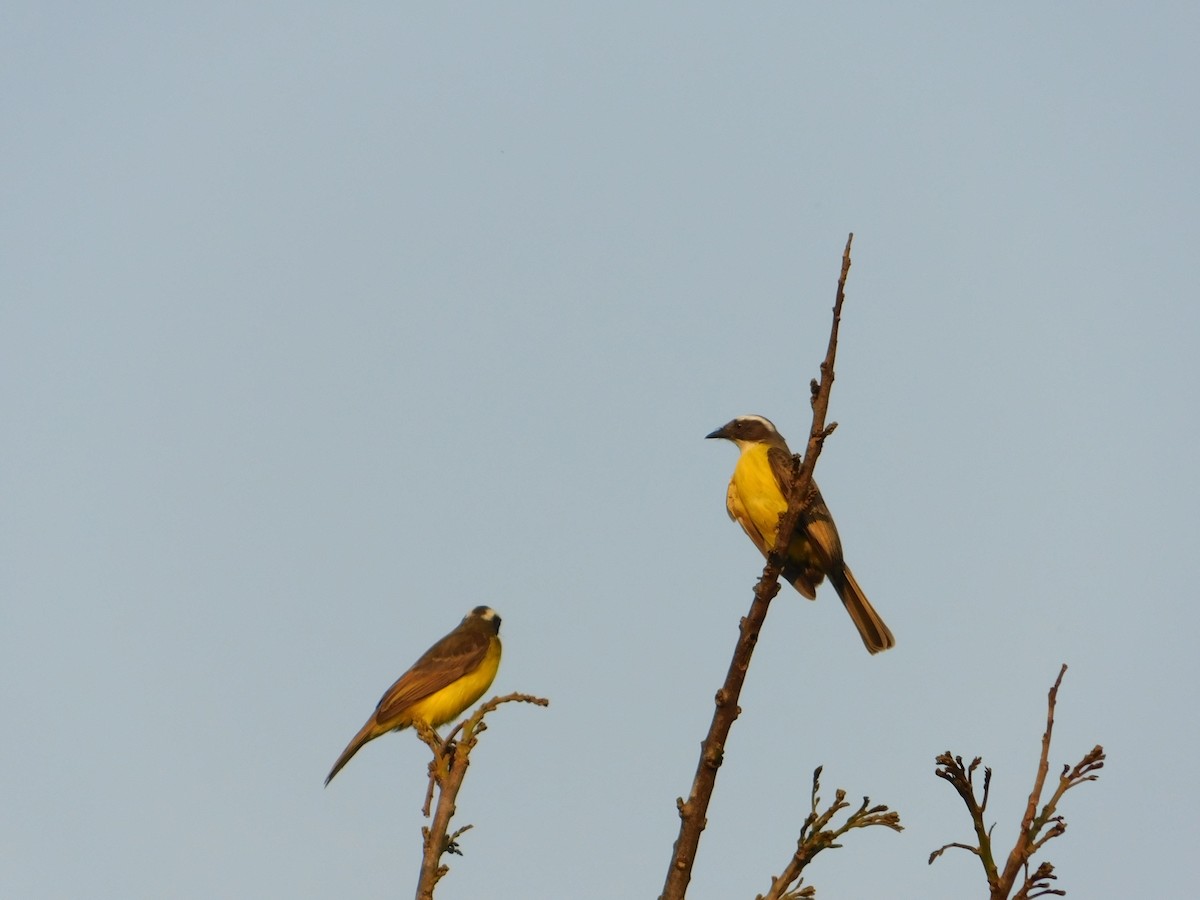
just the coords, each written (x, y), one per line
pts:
(1023, 848)
(815, 837)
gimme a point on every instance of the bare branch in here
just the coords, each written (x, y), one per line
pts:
(815, 837)
(942, 849)
(1037, 826)
(693, 812)
(447, 769)
(962, 779)
(1038, 884)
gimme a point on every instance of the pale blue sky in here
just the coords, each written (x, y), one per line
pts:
(322, 324)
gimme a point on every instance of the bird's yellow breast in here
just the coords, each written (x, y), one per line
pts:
(758, 496)
(442, 706)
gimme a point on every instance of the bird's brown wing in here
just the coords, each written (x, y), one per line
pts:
(454, 656)
(822, 533)
(816, 552)
(817, 524)
(815, 548)
(781, 467)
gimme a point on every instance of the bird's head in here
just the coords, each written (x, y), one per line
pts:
(747, 430)
(485, 616)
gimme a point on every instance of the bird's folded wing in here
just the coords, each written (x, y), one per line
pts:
(448, 660)
(817, 523)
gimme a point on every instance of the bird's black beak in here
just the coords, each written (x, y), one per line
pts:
(722, 432)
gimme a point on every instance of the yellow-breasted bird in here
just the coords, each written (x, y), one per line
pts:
(449, 677)
(756, 500)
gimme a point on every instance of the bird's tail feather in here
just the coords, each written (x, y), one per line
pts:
(368, 732)
(871, 628)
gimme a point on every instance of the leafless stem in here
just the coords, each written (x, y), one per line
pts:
(815, 837)
(693, 812)
(447, 769)
(1037, 826)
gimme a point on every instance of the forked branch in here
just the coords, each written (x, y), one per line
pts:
(816, 836)
(447, 769)
(1038, 825)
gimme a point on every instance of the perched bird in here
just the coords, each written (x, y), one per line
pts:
(448, 678)
(756, 499)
